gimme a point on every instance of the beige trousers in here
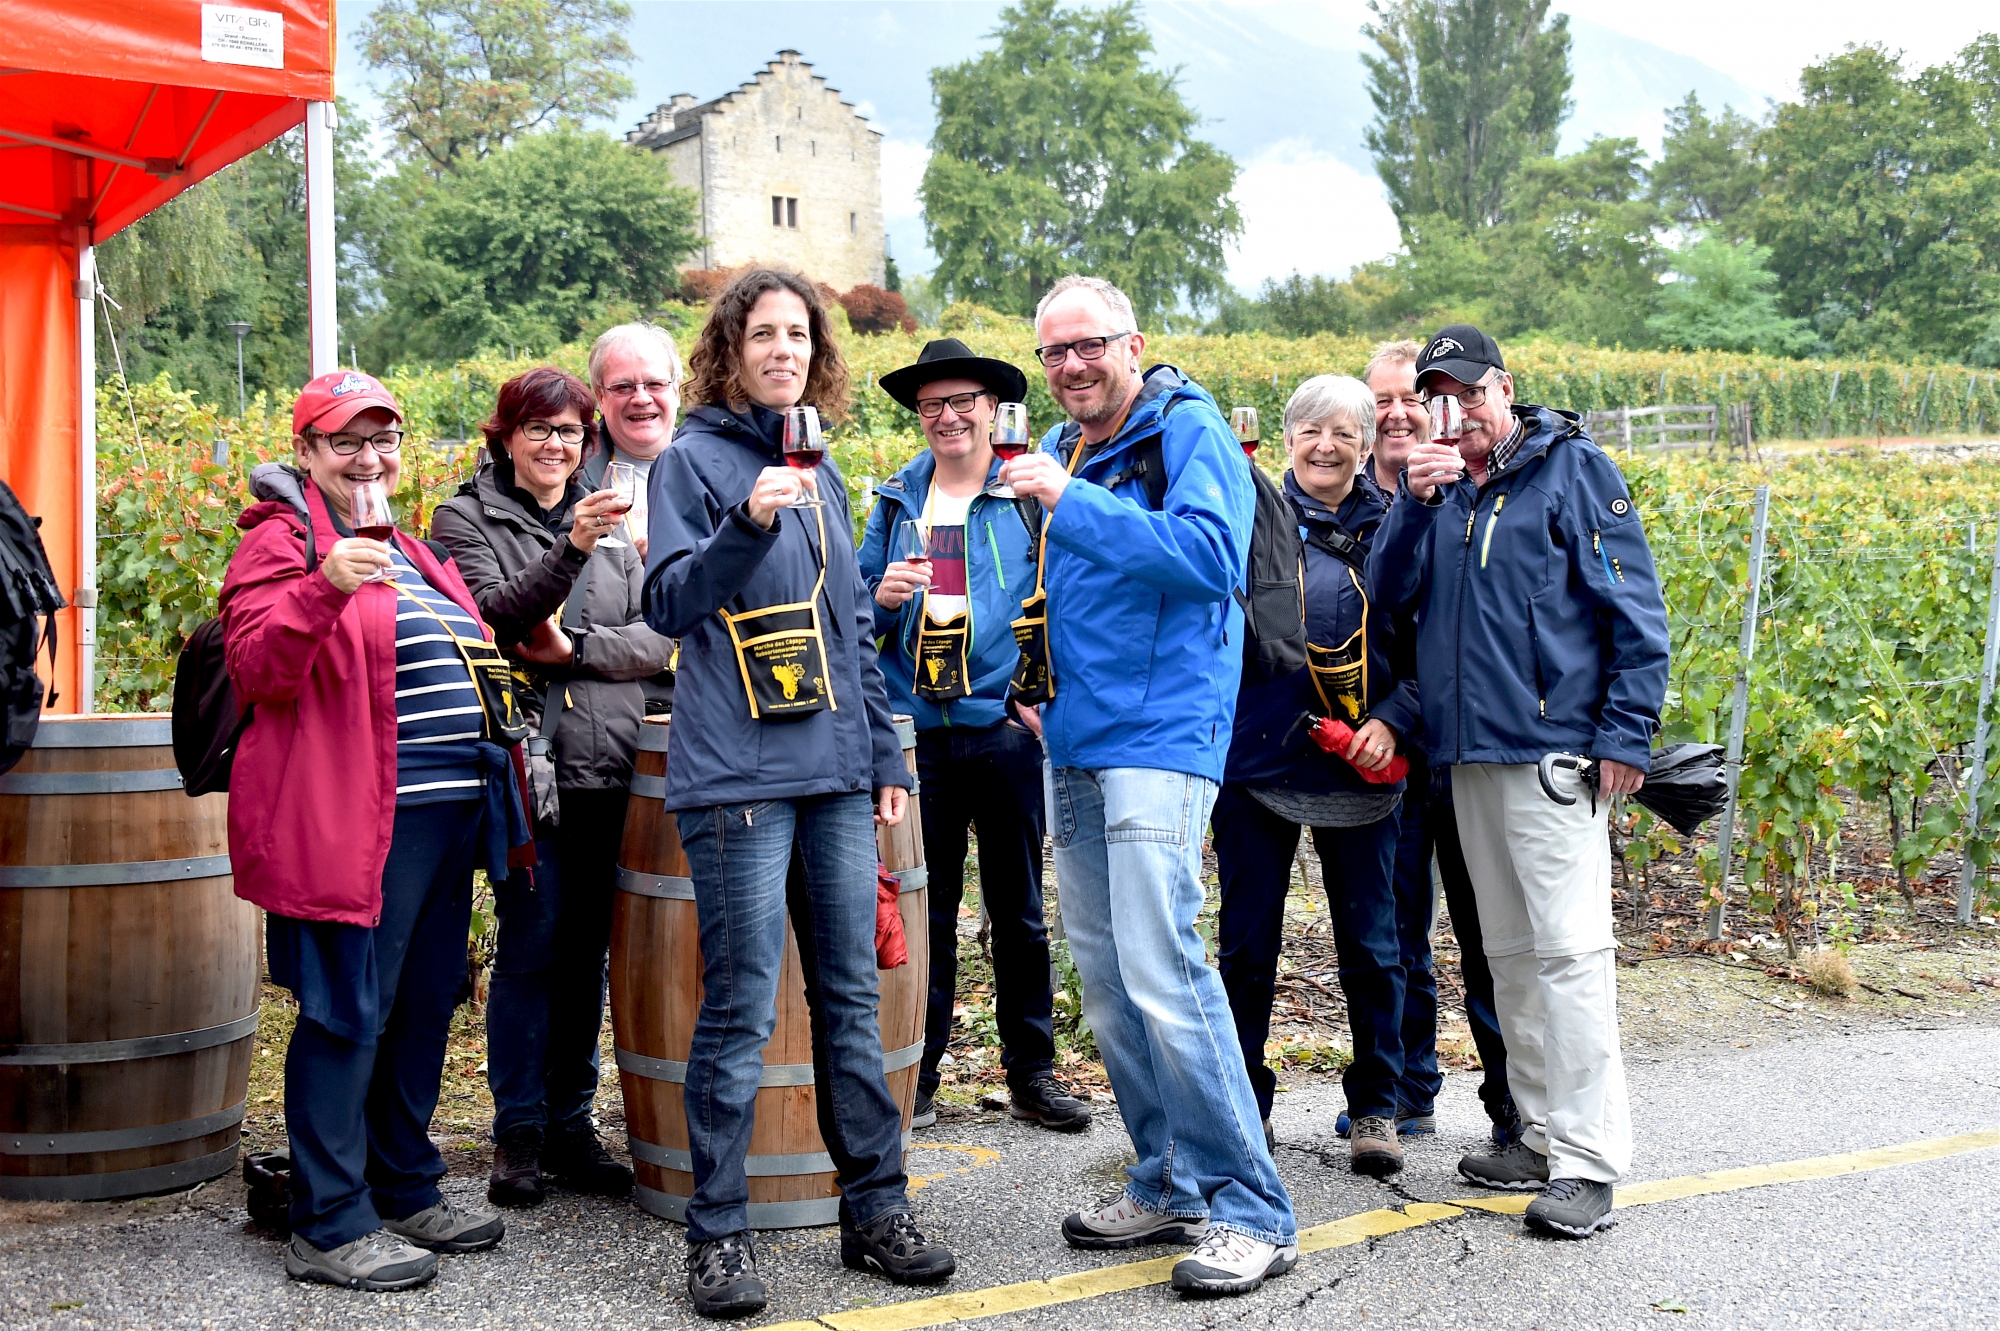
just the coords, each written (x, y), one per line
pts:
(1542, 875)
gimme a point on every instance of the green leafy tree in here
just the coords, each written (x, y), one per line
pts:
(528, 246)
(1881, 204)
(1724, 301)
(1709, 170)
(468, 77)
(1058, 152)
(1465, 91)
(1575, 255)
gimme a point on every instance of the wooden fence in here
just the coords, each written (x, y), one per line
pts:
(1688, 426)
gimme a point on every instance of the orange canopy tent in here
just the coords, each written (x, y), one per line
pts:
(109, 108)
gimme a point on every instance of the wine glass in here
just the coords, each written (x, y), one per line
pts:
(368, 504)
(1010, 437)
(1447, 420)
(805, 447)
(1243, 420)
(623, 479)
(913, 543)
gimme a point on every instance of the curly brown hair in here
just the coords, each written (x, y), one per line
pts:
(715, 367)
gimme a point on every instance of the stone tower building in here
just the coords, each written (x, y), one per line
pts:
(788, 173)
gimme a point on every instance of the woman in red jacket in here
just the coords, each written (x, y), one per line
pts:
(362, 797)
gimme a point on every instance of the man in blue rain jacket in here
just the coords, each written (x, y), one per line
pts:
(1541, 629)
(1145, 646)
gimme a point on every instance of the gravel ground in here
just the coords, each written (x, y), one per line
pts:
(1904, 1245)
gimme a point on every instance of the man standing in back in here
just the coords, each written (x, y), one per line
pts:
(1149, 505)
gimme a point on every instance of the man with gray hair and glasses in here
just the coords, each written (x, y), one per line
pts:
(1135, 656)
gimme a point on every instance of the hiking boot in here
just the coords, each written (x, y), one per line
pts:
(925, 1113)
(895, 1246)
(575, 1158)
(448, 1228)
(517, 1169)
(1407, 1124)
(1225, 1262)
(722, 1278)
(1516, 1168)
(1120, 1223)
(1374, 1148)
(1506, 1123)
(1045, 1101)
(374, 1261)
(1572, 1208)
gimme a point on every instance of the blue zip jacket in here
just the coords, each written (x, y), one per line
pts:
(999, 574)
(1269, 748)
(704, 554)
(1146, 639)
(1540, 624)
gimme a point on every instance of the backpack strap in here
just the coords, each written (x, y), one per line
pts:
(1338, 542)
(1149, 468)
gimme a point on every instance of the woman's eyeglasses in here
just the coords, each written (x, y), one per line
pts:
(347, 445)
(536, 432)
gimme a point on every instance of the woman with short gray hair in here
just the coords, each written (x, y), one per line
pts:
(1277, 782)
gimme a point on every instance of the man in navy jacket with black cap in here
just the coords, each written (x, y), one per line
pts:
(1541, 629)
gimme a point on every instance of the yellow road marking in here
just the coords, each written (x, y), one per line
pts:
(971, 1305)
(981, 1157)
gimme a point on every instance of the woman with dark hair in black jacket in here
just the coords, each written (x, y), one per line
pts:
(781, 747)
(529, 536)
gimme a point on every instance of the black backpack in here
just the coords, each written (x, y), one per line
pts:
(208, 721)
(1274, 610)
(29, 594)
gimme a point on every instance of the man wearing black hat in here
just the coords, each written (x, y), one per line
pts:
(1541, 629)
(947, 653)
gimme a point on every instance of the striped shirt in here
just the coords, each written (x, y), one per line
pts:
(436, 700)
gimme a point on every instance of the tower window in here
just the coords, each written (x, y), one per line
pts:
(779, 139)
(854, 224)
(814, 144)
(792, 213)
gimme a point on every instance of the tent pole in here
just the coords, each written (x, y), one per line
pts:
(85, 596)
(323, 320)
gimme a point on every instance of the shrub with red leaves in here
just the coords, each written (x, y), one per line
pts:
(872, 310)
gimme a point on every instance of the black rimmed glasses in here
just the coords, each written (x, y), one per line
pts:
(1471, 397)
(930, 408)
(538, 432)
(1086, 348)
(347, 445)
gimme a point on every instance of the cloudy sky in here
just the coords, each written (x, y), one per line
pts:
(1278, 82)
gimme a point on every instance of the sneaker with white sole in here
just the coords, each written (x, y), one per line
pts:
(1572, 1208)
(1121, 1223)
(376, 1261)
(1226, 1262)
(924, 1114)
(449, 1228)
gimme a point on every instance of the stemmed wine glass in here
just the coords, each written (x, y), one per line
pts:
(1243, 420)
(914, 544)
(368, 505)
(1010, 437)
(623, 479)
(805, 447)
(1447, 420)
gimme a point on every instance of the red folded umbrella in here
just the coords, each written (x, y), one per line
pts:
(1333, 735)
(891, 948)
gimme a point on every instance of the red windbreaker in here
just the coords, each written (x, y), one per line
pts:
(312, 794)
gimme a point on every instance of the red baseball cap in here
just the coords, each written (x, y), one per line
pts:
(329, 402)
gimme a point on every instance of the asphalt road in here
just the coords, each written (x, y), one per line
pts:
(1905, 1246)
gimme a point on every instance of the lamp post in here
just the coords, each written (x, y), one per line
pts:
(242, 330)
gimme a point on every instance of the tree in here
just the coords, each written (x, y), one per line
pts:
(1059, 152)
(1881, 206)
(1724, 302)
(468, 77)
(1709, 170)
(1464, 91)
(871, 309)
(1575, 253)
(530, 245)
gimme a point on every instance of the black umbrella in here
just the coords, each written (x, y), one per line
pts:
(1684, 786)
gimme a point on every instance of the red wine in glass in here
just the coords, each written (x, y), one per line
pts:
(804, 459)
(804, 446)
(1007, 449)
(1010, 436)
(368, 506)
(381, 533)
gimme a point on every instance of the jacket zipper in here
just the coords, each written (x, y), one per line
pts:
(1486, 545)
(1535, 646)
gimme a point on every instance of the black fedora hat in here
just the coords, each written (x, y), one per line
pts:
(949, 358)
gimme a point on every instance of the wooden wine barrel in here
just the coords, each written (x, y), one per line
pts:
(656, 995)
(128, 969)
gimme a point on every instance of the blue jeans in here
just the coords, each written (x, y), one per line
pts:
(1430, 824)
(1253, 855)
(546, 1006)
(739, 856)
(1128, 857)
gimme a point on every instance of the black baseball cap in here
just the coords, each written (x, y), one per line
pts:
(1461, 351)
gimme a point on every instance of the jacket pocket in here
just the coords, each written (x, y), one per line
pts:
(1542, 673)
